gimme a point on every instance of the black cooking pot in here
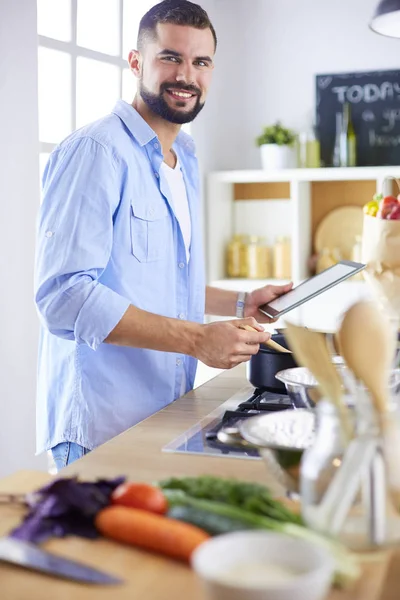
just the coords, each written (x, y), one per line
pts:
(263, 366)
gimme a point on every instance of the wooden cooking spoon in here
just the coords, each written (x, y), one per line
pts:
(368, 346)
(310, 350)
(271, 343)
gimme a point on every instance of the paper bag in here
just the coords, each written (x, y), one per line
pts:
(381, 253)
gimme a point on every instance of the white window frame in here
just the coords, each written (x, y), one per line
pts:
(75, 51)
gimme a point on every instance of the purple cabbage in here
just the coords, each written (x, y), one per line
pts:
(64, 507)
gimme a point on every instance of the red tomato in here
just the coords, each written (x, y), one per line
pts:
(386, 206)
(140, 495)
(395, 214)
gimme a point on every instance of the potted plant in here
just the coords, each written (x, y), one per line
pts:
(277, 147)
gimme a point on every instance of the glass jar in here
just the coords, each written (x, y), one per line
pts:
(256, 258)
(321, 460)
(282, 258)
(344, 488)
(233, 258)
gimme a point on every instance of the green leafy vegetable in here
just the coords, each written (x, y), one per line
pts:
(240, 504)
(250, 496)
(211, 522)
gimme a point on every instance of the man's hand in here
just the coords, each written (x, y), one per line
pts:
(263, 296)
(225, 344)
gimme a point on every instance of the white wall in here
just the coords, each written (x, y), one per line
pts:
(269, 54)
(19, 200)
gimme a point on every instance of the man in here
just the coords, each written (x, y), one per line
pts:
(119, 275)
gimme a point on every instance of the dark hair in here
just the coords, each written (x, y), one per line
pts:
(178, 12)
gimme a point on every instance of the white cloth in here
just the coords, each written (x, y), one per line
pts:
(177, 188)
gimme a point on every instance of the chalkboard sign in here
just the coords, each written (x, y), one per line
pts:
(374, 100)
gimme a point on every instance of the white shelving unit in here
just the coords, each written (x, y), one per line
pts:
(220, 209)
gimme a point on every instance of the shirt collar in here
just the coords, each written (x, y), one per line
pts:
(142, 132)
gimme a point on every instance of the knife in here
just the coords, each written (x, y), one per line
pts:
(28, 555)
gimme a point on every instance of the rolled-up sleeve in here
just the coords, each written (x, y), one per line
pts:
(81, 192)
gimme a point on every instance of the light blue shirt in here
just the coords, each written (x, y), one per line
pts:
(107, 238)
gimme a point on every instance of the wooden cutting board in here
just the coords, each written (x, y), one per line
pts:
(146, 575)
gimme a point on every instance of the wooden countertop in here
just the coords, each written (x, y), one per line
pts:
(137, 455)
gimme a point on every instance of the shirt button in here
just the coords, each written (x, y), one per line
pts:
(156, 174)
(178, 362)
(181, 265)
(156, 146)
(49, 234)
(181, 316)
(151, 211)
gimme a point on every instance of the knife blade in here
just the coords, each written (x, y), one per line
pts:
(32, 557)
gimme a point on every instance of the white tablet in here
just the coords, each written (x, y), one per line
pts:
(311, 287)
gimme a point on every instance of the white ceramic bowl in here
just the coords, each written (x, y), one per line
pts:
(218, 562)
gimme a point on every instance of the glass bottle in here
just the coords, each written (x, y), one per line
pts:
(338, 132)
(348, 139)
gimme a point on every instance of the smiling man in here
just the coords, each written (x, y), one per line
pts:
(119, 282)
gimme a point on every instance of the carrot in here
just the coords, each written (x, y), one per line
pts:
(140, 495)
(150, 531)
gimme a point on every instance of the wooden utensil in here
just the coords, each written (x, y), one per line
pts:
(311, 351)
(271, 343)
(368, 345)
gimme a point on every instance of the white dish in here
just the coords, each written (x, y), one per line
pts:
(297, 376)
(229, 566)
(284, 430)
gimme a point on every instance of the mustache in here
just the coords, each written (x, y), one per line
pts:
(181, 86)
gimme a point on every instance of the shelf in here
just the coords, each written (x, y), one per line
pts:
(245, 285)
(298, 199)
(289, 175)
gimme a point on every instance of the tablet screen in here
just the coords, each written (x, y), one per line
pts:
(314, 286)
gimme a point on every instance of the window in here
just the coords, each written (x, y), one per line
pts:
(82, 57)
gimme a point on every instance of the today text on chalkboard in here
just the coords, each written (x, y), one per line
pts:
(374, 98)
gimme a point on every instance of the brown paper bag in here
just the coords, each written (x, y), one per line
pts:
(381, 253)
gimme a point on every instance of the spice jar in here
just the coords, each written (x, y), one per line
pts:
(256, 258)
(282, 259)
(233, 256)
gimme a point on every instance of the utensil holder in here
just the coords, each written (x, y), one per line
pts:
(344, 488)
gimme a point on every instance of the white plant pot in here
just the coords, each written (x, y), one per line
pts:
(274, 156)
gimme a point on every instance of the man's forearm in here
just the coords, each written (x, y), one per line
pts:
(141, 329)
(220, 302)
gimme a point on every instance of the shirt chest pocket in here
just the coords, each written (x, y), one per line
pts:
(150, 231)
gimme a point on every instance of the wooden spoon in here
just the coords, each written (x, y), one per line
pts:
(311, 351)
(270, 343)
(367, 345)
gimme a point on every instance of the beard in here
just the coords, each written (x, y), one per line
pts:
(159, 106)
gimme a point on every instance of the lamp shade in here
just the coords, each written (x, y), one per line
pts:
(386, 19)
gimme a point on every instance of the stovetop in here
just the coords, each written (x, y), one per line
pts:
(202, 437)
